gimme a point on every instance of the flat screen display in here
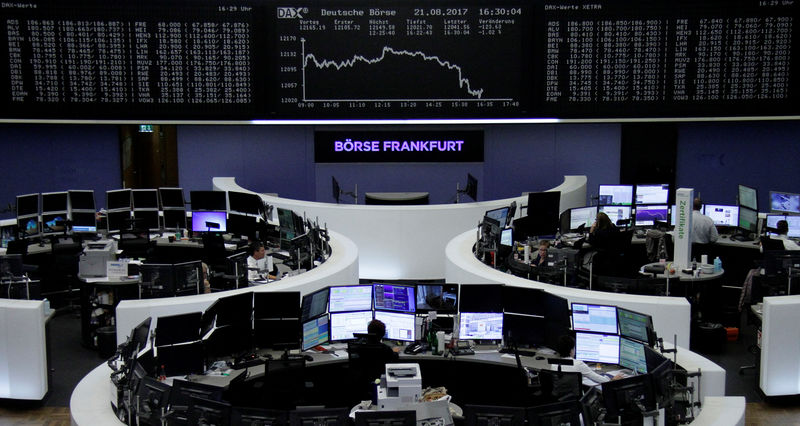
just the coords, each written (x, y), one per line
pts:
(84, 222)
(145, 198)
(615, 195)
(543, 210)
(244, 202)
(345, 324)
(481, 298)
(175, 219)
(54, 223)
(616, 213)
(147, 219)
(784, 202)
(390, 297)
(209, 200)
(81, 200)
(315, 332)
(442, 298)
(507, 237)
(722, 215)
(597, 347)
(632, 355)
(582, 216)
(748, 197)
(634, 325)
(27, 205)
(118, 199)
(117, 221)
(171, 198)
(207, 221)
(500, 215)
(28, 226)
(647, 215)
(792, 221)
(748, 219)
(399, 326)
(350, 298)
(524, 330)
(596, 318)
(480, 325)
(54, 202)
(314, 304)
(652, 194)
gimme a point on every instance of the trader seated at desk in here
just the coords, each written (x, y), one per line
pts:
(540, 258)
(259, 265)
(601, 234)
(566, 349)
(782, 229)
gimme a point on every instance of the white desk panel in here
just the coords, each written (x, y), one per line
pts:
(780, 346)
(23, 351)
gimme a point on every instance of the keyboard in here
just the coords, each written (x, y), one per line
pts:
(522, 352)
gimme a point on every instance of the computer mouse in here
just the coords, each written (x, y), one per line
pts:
(308, 358)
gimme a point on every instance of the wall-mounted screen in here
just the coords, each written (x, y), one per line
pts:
(784, 202)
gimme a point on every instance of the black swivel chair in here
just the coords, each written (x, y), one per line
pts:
(62, 279)
(366, 362)
(215, 256)
(560, 386)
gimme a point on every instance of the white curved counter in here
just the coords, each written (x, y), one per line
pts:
(23, 349)
(405, 242)
(671, 315)
(340, 268)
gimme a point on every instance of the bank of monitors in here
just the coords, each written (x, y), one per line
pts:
(597, 347)
(582, 216)
(543, 212)
(480, 326)
(632, 355)
(615, 195)
(350, 298)
(635, 325)
(481, 298)
(722, 215)
(399, 326)
(748, 197)
(442, 298)
(343, 325)
(209, 221)
(648, 215)
(652, 194)
(500, 215)
(594, 318)
(784, 202)
(616, 213)
(315, 332)
(208, 200)
(393, 297)
(792, 221)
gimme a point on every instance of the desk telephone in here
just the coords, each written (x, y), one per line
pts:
(416, 348)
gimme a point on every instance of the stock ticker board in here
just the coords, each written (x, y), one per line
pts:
(340, 60)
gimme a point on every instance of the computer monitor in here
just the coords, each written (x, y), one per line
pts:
(28, 226)
(442, 298)
(507, 237)
(320, 416)
(235, 310)
(54, 223)
(276, 304)
(157, 280)
(399, 326)
(277, 333)
(499, 214)
(480, 326)
(635, 325)
(209, 200)
(481, 298)
(631, 355)
(207, 412)
(616, 213)
(582, 216)
(209, 221)
(472, 187)
(145, 198)
(652, 194)
(392, 297)
(557, 314)
(722, 215)
(83, 222)
(54, 202)
(597, 347)
(183, 359)
(524, 330)
(315, 332)
(615, 195)
(345, 324)
(748, 197)
(748, 219)
(350, 298)
(626, 396)
(543, 210)
(648, 215)
(148, 218)
(784, 202)
(242, 225)
(314, 304)
(557, 413)
(174, 219)
(181, 328)
(81, 200)
(661, 376)
(385, 418)
(523, 300)
(27, 205)
(188, 277)
(591, 406)
(117, 221)
(171, 198)
(792, 221)
(118, 199)
(184, 390)
(152, 400)
(245, 202)
(595, 318)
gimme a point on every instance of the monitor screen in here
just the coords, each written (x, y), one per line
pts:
(481, 298)
(391, 297)
(171, 198)
(634, 325)
(315, 332)
(28, 226)
(84, 222)
(276, 304)
(145, 198)
(543, 210)
(597, 347)
(597, 318)
(748, 219)
(208, 221)
(507, 237)
(118, 199)
(500, 215)
(772, 221)
(480, 326)
(524, 330)
(188, 276)
(792, 221)
(27, 205)
(350, 298)
(174, 219)
(81, 200)
(314, 304)
(631, 355)
(54, 202)
(523, 300)
(180, 328)
(245, 202)
(582, 216)
(722, 215)
(615, 195)
(116, 221)
(148, 218)
(748, 197)
(616, 213)
(399, 326)
(784, 202)
(209, 200)
(442, 298)
(235, 310)
(54, 223)
(647, 215)
(344, 324)
(652, 194)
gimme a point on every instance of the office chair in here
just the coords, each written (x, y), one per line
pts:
(215, 256)
(768, 244)
(366, 362)
(62, 279)
(386, 418)
(559, 386)
(489, 415)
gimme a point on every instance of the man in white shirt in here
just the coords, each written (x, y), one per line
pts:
(257, 262)
(703, 229)
(783, 229)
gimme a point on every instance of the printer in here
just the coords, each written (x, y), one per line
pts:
(400, 386)
(93, 260)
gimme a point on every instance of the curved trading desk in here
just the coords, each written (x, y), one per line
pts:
(405, 242)
(340, 268)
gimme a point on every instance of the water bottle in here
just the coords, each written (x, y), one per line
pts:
(717, 264)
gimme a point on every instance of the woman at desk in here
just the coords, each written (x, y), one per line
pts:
(601, 234)
(540, 258)
(566, 349)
